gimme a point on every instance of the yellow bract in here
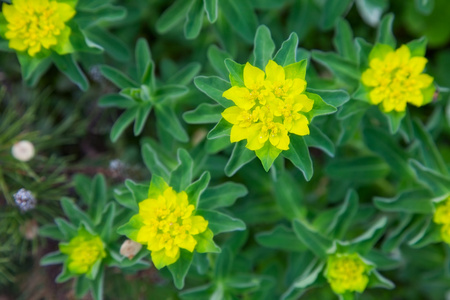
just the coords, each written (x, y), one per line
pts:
(84, 251)
(396, 79)
(168, 225)
(268, 107)
(33, 25)
(347, 273)
(442, 217)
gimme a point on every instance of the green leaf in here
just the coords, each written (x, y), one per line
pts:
(74, 213)
(181, 177)
(157, 186)
(394, 120)
(122, 123)
(98, 197)
(343, 40)
(131, 228)
(335, 98)
(116, 100)
(97, 285)
(281, 238)
(139, 192)
(216, 58)
(67, 229)
(170, 123)
(410, 201)
(112, 44)
(332, 10)
(359, 169)
(53, 258)
(186, 74)
(239, 157)
(236, 72)
(141, 118)
(214, 87)
(205, 243)
(29, 65)
(64, 276)
(82, 286)
(320, 107)
(173, 15)
(223, 195)
(241, 17)
(341, 67)
(376, 280)
(298, 154)
(425, 6)
(383, 144)
(363, 49)
(205, 113)
(317, 243)
(343, 218)
(264, 47)
(67, 65)
(352, 108)
(288, 196)
(194, 20)
(219, 222)
(125, 198)
(117, 77)
(437, 183)
(430, 233)
(107, 222)
(296, 69)
(267, 155)
(307, 279)
(153, 162)
(431, 157)
(418, 47)
(317, 139)
(288, 51)
(196, 189)
(180, 268)
(384, 33)
(143, 56)
(371, 10)
(365, 242)
(51, 231)
(211, 9)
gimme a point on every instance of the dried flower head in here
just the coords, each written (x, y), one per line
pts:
(24, 200)
(23, 150)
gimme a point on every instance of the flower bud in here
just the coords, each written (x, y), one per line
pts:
(130, 248)
(23, 150)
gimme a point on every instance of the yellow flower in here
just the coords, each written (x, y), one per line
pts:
(395, 78)
(442, 217)
(84, 251)
(37, 24)
(347, 273)
(167, 223)
(268, 107)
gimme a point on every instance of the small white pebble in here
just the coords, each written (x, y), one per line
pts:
(130, 248)
(23, 150)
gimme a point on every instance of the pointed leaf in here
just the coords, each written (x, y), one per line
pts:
(264, 47)
(298, 154)
(219, 222)
(287, 53)
(318, 244)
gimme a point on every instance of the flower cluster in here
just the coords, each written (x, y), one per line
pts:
(83, 251)
(268, 107)
(347, 273)
(167, 223)
(33, 25)
(395, 78)
(442, 217)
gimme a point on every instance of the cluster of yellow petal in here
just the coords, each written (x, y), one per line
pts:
(37, 24)
(442, 217)
(168, 225)
(84, 251)
(347, 273)
(397, 79)
(268, 107)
